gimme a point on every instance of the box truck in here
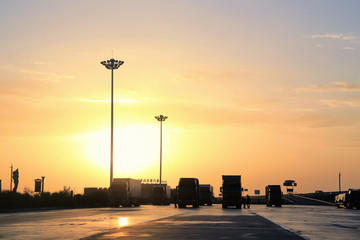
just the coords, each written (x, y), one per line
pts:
(125, 192)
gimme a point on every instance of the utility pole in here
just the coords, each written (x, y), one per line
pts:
(11, 172)
(161, 118)
(42, 184)
(339, 182)
(112, 64)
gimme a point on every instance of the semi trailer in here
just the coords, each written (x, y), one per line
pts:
(161, 194)
(125, 192)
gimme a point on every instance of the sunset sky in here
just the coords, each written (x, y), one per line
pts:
(269, 90)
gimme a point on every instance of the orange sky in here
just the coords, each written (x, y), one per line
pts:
(268, 91)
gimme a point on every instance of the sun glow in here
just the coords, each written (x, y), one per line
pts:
(136, 148)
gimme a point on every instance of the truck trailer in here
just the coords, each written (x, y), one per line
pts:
(188, 192)
(273, 195)
(161, 194)
(350, 199)
(206, 194)
(125, 192)
(231, 191)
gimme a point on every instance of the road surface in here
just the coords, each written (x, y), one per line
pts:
(167, 222)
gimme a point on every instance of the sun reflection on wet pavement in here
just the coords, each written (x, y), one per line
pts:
(123, 221)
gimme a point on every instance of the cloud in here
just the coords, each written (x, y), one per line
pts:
(116, 100)
(46, 76)
(39, 63)
(334, 86)
(340, 36)
(349, 48)
(37, 75)
(302, 109)
(341, 102)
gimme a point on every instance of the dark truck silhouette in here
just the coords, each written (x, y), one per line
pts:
(188, 192)
(206, 194)
(231, 191)
(350, 199)
(125, 192)
(273, 195)
(161, 194)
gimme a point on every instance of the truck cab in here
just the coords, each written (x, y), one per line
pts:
(231, 191)
(206, 194)
(188, 192)
(273, 195)
(350, 199)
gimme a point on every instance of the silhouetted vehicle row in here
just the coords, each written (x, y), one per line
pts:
(350, 199)
(273, 195)
(125, 192)
(231, 191)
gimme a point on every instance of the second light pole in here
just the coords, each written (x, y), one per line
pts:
(161, 118)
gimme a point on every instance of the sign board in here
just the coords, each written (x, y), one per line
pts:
(289, 183)
(37, 185)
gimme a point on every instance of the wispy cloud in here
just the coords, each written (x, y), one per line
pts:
(335, 36)
(107, 100)
(334, 86)
(46, 76)
(349, 48)
(39, 63)
(37, 75)
(341, 102)
(302, 109)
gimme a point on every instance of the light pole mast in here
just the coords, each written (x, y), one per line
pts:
(161, 118)
(112, 64)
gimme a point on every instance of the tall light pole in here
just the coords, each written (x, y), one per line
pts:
(161, 118)
(112, 64)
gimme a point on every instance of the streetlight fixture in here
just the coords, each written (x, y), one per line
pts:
(161, 118)
(112, 64)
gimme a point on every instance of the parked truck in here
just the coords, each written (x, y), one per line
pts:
(206, 194)
(188, 192)
(350, 199)
(161, 194)
(231, 191)
(273, 195)
(125, 192)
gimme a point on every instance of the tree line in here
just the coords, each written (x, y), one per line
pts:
(62, 199)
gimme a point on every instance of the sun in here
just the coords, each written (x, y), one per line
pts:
(136, 148)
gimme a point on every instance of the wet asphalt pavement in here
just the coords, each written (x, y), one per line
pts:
(167, 222)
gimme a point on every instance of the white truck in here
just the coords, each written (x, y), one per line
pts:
(125, 192)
